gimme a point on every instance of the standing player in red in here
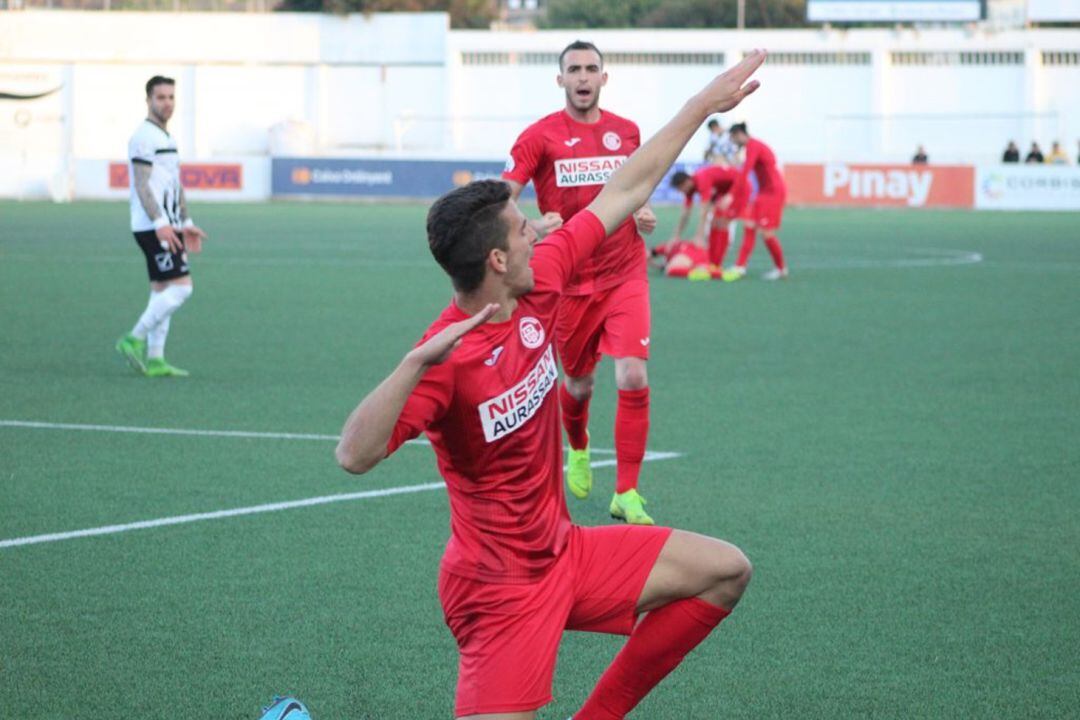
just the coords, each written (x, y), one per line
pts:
(722, 193)
(516, 571)
(767, 209)
(569, 155)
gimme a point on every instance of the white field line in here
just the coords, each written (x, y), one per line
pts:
(939, 257)
(650, 456)
(33, 424)
(217, 515)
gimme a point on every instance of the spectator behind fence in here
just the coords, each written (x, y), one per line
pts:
(921, 158)
(1012, 153)
(1057, 155)
(1034, 155)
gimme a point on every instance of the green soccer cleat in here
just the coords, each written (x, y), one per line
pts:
(701, 272)
(157, 367)
(579, 473)
(735, 273)
(630, 506)
(134, 351)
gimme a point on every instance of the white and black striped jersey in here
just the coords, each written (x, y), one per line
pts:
(723, 146)
(150, 145)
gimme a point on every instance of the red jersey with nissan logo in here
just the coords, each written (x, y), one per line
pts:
(491, 412)
(569, 162)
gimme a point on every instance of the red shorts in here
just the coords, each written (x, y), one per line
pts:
(767, 211)
(508, 635)
(611, 322)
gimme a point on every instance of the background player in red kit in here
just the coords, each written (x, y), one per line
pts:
(681, 258)
(569, 155)
(722, 193)
(767, 209)
(516, 571)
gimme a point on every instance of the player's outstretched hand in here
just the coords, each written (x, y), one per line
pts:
(167, 237)
(725, 202)
(193, 237)
(730, 87)
(646, 220)
(438, 347)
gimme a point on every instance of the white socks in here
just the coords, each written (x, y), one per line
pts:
(155, 340)
(153, 325)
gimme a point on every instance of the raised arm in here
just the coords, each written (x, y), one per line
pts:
(633, 183)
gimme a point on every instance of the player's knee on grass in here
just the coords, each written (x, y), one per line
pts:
(630, 374)
(580, 388)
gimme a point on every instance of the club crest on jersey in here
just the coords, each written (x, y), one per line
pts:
(532, 332)
(612, 141)
(575, 172)
(507, 412)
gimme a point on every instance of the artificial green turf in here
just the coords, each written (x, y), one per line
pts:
(893, 444)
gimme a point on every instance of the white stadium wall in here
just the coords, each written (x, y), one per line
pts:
(251, 86)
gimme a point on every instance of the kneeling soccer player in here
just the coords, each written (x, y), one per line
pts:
(516, 571)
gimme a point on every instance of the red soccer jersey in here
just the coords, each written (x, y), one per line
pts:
(762, 161)
(712, 181)
(492, 416)
(568, 163)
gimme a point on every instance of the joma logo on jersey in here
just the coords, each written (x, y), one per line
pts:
(575, 172)
(505, 413)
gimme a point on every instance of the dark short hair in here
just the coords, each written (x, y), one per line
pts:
(739, 127)
(679, 178)
(464, 226)
(155, 81)
(713, 123)
(580, 45)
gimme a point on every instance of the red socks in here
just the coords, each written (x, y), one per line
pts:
(719, 239)
(575, 418)
(749, 238)
(777, 252)
(657, 645)
(631, 431)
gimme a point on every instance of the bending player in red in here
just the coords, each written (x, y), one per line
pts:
(722, 194)
(516, 572)
(569, 155)
(766, 210)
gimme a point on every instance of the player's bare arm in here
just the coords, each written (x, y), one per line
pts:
(549, 222)
(684, 217)
(368, 429)
(633, 183)
(193, 234)
(165, 233)
(703, 222)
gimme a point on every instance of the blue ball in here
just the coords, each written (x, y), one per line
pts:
(285, 708)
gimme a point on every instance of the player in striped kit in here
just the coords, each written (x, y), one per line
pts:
(163, 231)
